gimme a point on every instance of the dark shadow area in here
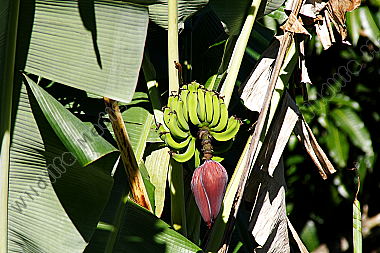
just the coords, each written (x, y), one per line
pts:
(87, 14)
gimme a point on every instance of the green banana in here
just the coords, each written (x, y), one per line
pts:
(181, 118)
(216, 110)
(162, 129)
(201, 107)
(174, 128)
(189, 152)
(173, 102)
(193, 86)
(192, 102)
(223, 117)
(233, 127)
(208, 102)
(167, 112)
(167, 137)
(184, 96)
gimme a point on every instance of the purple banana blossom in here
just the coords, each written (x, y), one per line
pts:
(208, 185)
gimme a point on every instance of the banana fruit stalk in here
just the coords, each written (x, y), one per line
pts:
(197, 113)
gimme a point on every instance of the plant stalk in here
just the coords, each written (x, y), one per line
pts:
(173, 56)
(237, 55)
(177, 197)
(138, 191)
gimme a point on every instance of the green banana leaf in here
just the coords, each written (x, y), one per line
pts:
(157, 164)
(337, 144)
(158, 13)
(343, 100)
(233, 13)
(357, 227)
(96, 46)
(144, 232)
(138, 123)
(54, 202)
(353, 26)
(370, 29)
(309, 235)
(349, 122)
(81, 140)
(150, 188)
(8, 33)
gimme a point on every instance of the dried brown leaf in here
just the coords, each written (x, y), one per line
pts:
(308, 140)
(294, 25)
(323, 13)
(337, 12)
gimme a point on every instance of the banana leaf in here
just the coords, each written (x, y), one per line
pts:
(158, 13)
(81, 140)
(144, 232)
(337, 144)
(54, 203)
(349, 122)
(96, 46)
(233, 13)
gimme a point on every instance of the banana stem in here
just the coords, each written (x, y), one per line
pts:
(237, 56)
(177, 197)
(173, 45)
(205, 137)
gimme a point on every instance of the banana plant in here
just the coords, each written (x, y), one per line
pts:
(73, 160)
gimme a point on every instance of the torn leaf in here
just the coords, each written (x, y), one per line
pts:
(308, 140)
(294, 25)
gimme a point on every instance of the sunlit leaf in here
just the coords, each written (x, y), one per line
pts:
(54, 202)
(80, 139)
(353, 26)
(350, 122)
(337, 144)
(157, 164)
(309, 235)
(357, 227)
(150, 188)
(158, 13)
(96, 46)
(371, 30)
(233, 13)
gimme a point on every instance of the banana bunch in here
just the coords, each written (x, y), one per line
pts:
(193, 109)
